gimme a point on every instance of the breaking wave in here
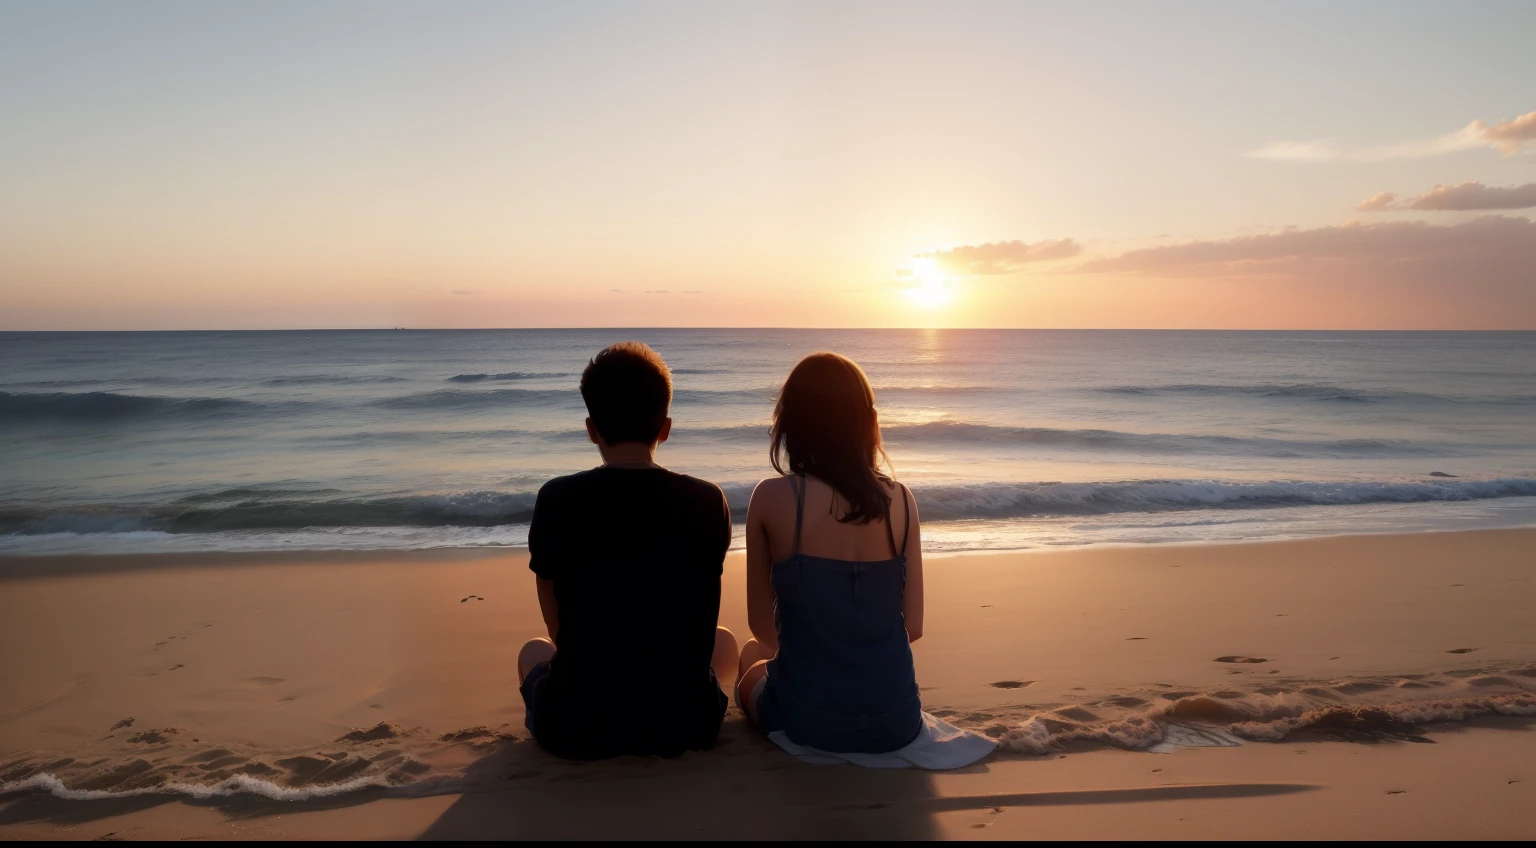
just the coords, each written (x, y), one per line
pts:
(280, 511)
(273, 509)
(1020, 500)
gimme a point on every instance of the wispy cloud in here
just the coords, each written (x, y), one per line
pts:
(1507, 137)
(1377, 203)
(1002, 257)
(1495, 248)
(1462, 197)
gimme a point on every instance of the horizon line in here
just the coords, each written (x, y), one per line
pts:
(804, 329)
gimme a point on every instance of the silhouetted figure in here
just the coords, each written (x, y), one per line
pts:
(628, 557)
(834, 574)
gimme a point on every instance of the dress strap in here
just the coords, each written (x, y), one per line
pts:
(797, 483)
(890, 535)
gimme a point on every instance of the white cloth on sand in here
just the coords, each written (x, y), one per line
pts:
(939, 746)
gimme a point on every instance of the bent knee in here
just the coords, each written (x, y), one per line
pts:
(745, 686)
(537, 645)
(533, 652)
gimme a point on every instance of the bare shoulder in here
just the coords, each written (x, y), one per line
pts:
(904, 496)
(770, 491)
(896, 489)
(773, 499)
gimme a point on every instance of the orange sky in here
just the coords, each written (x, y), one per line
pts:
(351, 164)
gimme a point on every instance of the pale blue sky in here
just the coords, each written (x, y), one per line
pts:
(344, 164)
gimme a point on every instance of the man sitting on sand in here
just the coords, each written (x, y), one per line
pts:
(628, 558)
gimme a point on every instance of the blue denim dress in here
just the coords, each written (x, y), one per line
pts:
(843, 679)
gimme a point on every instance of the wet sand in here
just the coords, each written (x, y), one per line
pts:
(286, 683)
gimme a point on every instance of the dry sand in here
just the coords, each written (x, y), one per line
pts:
(125, 675)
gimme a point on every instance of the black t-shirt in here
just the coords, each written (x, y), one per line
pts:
(635, 555)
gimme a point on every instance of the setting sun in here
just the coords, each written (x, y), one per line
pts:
(933, 288)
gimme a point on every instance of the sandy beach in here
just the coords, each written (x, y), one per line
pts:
(1371, 685)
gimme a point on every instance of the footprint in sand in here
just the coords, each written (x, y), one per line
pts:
(1135, 638)
(472, 598)
(1461, 650)
(1397, 792)
(1010, 684)
(1237, 659)
(127, 722)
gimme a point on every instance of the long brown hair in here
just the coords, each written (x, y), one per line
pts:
(825, 425)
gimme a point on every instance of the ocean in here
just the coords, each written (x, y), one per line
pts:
(1010, 439)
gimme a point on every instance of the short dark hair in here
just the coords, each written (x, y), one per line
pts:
(627, 389)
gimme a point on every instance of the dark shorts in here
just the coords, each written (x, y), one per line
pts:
(693, 730)
(532, 685)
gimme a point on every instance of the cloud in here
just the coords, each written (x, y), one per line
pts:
(1493, 249)
(1507, 137)
(1002, 257)
(1463, 197)
(1377, 203)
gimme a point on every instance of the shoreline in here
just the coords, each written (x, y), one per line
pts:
(258, 554)
(299, 670)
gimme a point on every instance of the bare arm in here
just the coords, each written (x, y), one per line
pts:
(912, 598)
(549, 606)
(760, 573)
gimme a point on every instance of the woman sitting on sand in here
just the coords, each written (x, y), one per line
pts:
(834, 593)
